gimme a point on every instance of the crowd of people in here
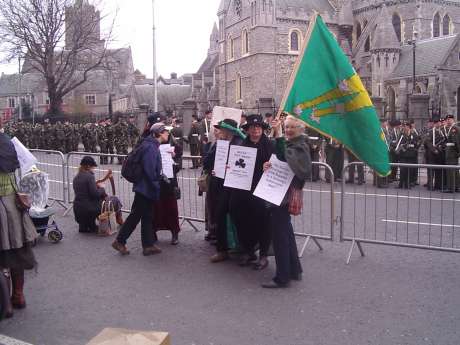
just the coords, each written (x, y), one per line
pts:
(102, 136)
(237, 222)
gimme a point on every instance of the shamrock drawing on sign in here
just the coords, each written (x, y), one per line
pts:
(240, 162)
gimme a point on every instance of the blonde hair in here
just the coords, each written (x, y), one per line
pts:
(294, 119)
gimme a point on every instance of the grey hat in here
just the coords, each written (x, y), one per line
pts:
(158, 128)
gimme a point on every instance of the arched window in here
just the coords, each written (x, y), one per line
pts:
(446, 25)
(294, 41)
(238, 88)
(396, 20)
(367, 44)
(359, 31)
(231, 48)
(245, 42)
(436, 25)
(378, 60)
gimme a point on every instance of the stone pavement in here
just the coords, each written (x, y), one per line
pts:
(392, 296)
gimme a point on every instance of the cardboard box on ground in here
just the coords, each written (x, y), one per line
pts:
(119, 336)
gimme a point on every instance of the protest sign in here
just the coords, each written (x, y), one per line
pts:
(167, 161)
(222, 113)
(241, 164)
(275, 182)
(220, 162)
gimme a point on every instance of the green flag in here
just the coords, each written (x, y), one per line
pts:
(327, 94)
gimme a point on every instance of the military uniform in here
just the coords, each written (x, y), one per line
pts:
(380, 181)
(194, 141)
(121, 135)
(407, 150)
(395, 135)
(60, 137)
(102, 142)
(335, 159)
(177, 134)
(67, 128)
(452, 153)
(110, 141)
(133, 133)
(433, 143)
(315, 141)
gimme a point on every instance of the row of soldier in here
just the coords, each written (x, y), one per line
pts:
(66, 137)
(439, 141)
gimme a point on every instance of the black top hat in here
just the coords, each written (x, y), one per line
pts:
(88, 161)
(254, 120)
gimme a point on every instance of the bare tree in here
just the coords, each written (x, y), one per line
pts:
(60, 39)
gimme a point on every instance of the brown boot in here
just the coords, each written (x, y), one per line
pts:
(17, 279)
(120, 248)
(147, 251)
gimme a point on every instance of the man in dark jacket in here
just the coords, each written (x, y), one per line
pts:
(147, 190)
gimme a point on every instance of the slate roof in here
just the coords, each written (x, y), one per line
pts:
(167, 94)
(30, 83)
(428, 54)
(209, 64)
(385, 35)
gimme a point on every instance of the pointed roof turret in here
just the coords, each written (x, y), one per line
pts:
(385, 35)
(215, 32)
(345, 15)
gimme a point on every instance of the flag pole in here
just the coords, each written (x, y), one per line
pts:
(311, 26)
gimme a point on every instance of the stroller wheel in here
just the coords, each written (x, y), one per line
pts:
(55, 236)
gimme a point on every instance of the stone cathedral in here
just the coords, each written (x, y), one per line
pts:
(254, 48)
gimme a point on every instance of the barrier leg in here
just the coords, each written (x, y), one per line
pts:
(307, 240)
(360, 248)
(67, 211)
(191, 224)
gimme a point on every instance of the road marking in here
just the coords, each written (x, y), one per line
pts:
(383, 195)
(419, 223)
(4, 340)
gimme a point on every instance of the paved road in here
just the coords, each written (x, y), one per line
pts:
(391, 296)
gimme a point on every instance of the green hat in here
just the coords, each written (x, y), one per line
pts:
(231, 126)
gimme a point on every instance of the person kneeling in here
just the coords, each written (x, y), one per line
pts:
(89, 196)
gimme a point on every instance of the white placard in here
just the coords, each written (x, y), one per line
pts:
(26, 159)
(241, 164)
(222, 113)
(275, 182)
(167, 161)
(220, 162)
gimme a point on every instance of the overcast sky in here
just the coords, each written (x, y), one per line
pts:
(183, 30)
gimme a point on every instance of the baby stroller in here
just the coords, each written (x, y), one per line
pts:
(36, 184)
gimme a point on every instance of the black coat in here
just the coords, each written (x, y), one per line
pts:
(88, 197)
(8, 157)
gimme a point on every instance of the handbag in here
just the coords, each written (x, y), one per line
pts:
(21, 199)
(107, 220)
(203, 182)
(295, 201)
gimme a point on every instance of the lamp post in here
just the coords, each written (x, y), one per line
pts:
(413, 43)
(155, 87)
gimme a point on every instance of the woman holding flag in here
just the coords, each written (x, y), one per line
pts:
(294, 150)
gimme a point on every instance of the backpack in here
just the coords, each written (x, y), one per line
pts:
(132, 169)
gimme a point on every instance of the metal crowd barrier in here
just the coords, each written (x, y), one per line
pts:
(53, 163)
(317, 219)
(415, 216)
(192, 205)
(122, 187)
